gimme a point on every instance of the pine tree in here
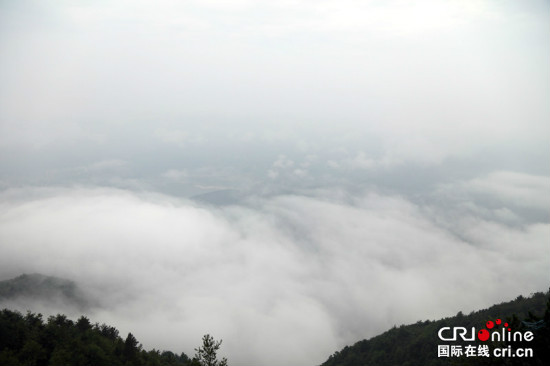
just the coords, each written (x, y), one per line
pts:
(131, 349)
(206, 355)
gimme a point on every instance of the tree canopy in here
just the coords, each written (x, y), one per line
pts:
(417, 344)
(29, 340)
(207, 354)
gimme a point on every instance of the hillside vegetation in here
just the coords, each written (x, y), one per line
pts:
(29, 340)
(417, 344)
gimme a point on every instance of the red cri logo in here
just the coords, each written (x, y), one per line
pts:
(484, 335)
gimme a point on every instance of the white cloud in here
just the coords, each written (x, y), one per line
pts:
(283, 162)
(362, 161)
(303, 274)
(300, 172)
(510, 189)
(513, 187)
(176, 137)
(427, 81)
(176, 174)
(105, 165)
(397, 18)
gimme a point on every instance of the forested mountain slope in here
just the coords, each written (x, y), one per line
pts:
(29, 340)
(417, 344)
(32, 340)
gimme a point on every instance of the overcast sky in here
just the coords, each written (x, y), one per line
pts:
(290, 176)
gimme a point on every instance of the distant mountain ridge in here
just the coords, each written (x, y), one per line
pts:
(28, 288)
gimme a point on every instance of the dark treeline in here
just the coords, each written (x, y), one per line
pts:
(28, 340)
(417, 344)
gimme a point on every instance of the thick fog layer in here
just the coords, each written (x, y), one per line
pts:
(291, 177)
(285, 280)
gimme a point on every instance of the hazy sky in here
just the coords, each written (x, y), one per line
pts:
(385, 161)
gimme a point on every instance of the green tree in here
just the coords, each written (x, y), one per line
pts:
(206, 355)
(60, 357)
(131, 349)
(83, 324)
(27, 341)
(32, 354)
